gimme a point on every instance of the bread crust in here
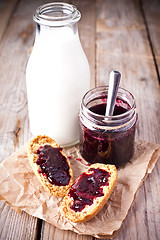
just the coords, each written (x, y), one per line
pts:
(90, 211)
(33, 146)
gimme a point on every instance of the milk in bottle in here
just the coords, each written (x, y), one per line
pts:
(57, 74)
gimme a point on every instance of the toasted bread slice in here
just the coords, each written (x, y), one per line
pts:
(89, 193)
(54, 181)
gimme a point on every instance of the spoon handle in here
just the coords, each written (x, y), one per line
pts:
(114, 81)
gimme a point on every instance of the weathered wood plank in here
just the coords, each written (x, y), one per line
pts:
(14, 50)
(151, 11)
(122, 44)
(16, 226)
(6, 9)
(14, 130)
(50, 232)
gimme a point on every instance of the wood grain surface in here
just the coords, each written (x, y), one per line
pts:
(7, 8)
(116, 35)
(151, 13)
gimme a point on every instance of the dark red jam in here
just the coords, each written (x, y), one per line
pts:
(120, 108)
(108, 147)
(87, 188)
(53, 165)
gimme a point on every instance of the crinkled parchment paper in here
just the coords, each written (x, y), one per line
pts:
(20, 188)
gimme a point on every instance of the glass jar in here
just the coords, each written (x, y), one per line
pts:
(57, 74)
(107, 139)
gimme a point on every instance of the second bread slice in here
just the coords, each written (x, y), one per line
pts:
(89, 193)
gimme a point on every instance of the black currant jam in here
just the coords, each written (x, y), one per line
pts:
(87, 188)
(53, 165)
(107, 140)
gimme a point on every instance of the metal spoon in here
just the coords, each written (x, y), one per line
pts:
(114, 81)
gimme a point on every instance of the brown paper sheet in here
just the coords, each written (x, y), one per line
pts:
(20, 188)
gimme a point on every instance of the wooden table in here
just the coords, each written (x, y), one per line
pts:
(116, 34)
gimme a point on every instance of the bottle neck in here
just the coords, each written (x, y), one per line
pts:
(56, 22)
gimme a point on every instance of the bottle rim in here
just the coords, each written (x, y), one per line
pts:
(94, 120)
(56, 14)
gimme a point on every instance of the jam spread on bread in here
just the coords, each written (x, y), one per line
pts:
(53, 165)
(88, 187)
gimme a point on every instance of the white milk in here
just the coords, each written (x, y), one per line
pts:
(57, 77)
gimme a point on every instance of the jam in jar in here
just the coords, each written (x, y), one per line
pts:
(107, 139)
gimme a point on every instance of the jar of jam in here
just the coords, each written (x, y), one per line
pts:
(107, 139)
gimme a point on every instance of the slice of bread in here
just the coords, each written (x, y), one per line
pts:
(33, 146)
(87, 212)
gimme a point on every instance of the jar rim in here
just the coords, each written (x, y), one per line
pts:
(108, 118)
(56, 14)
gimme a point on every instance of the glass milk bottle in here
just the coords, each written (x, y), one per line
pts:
(57, 74)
